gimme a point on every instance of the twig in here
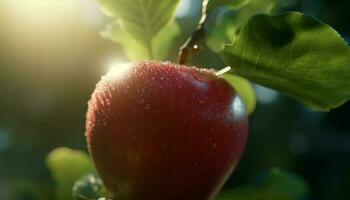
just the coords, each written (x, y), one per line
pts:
(192, 44)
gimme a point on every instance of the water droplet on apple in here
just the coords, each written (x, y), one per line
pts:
(108, 101)
(142, 100)
(147, 107)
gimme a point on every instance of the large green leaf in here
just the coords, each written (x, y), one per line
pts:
(66, 167)
(294, 54)
(224, 19)
(135, 50)
(163, 41)
(233, 4)
(275, 185)
(138, 22)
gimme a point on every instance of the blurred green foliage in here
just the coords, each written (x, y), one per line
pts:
(274, 185)
(67, 166)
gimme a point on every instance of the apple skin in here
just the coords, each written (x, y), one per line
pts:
(163, 131)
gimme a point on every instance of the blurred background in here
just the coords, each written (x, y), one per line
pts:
(51, 56)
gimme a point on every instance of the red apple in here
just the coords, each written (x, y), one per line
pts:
(162, 131)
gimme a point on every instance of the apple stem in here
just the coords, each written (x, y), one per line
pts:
(223, 71)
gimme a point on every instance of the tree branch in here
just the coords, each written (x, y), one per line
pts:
(193, 43)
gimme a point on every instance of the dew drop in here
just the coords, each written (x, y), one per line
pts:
(147, 107)
(142, 100)
(108, 102)
(201, 102)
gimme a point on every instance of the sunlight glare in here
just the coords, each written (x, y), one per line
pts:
(117, 69)
(238, 107)
(37, 11)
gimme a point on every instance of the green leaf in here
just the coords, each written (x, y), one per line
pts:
(275, 185)
(134, 50)
(244, 89)
(296, 55)
(223, 23)
(89, 187)
(162, 42)
(67, 166)
(221, 28)
(233, 4)
(144, 17)
(138, 23)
